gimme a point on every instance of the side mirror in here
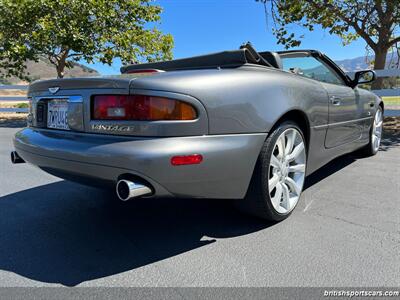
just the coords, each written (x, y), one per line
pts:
(366, 76)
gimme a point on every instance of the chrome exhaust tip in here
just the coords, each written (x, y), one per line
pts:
(127, 190)
(15, 158)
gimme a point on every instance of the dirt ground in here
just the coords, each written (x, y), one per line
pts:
(392, 125)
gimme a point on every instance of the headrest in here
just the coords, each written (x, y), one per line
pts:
(273, 58)
(253, 56)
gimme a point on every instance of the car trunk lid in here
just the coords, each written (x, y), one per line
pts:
(60, 102)
(111, 82)
(68, 99)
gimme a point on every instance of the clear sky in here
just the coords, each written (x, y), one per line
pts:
(205, 26)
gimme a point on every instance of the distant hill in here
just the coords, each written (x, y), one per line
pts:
(360, 63)
(44, 70)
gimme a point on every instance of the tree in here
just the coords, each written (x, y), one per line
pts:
(71, 30)
(375, 21)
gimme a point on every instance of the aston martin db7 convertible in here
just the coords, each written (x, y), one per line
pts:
(241, 124)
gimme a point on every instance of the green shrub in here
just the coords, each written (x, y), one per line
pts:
(21, 105)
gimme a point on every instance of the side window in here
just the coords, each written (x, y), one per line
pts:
(310, 67)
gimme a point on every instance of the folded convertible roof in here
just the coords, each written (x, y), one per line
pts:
(246, 54)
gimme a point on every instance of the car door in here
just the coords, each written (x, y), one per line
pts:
(344, 104)
(344, 111)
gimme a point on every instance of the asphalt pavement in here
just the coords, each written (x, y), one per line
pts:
(344, 232)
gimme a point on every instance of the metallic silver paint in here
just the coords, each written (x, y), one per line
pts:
(237, 107)
(246, 99)
(228, 160)
(82, 122)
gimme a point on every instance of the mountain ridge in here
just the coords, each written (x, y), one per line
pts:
(360, 62)
(43, 69)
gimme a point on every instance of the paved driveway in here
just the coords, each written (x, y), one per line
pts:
(345, 232)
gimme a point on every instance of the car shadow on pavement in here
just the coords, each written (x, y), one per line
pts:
(13, 123)
(390, 141)
(330, 168)
(67, 233)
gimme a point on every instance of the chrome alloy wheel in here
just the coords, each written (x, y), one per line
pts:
(377, 130)
(287, 170)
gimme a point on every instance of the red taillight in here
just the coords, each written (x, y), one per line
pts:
(186, 160)
(140, 108)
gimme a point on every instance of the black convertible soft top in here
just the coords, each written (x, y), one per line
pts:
(234, 58)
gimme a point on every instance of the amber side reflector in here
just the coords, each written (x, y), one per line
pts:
(193, 159)
(140, 108)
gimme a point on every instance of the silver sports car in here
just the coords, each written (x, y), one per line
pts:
(240, 124)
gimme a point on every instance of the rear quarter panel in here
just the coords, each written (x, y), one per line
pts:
(244, 100)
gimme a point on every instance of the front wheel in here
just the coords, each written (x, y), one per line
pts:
(375, 134)
(279, 175)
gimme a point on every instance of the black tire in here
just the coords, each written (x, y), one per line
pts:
(257, 201)
(370, 150)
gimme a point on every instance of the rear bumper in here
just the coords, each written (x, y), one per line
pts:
(90, 158)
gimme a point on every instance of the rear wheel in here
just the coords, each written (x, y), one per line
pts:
(375, 134)
(279, 175)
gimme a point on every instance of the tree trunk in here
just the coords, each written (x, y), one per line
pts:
(379, 64)
(60, 69)
(61, 64)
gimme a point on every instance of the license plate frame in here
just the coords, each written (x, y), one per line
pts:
(57, 114)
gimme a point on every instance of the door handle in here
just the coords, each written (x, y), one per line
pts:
(335, 100)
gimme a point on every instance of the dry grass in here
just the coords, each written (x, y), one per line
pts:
(392, 124)
(10, 104)
(12, 116)
(12, 120)
(391, 102)
(12, 93)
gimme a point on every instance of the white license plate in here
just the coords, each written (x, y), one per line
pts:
(57, 114)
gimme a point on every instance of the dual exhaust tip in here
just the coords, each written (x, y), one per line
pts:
(127, 190)
(15, 158)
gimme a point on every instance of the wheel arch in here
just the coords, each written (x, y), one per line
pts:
(300, 118)
(297, 116)
(381, 104)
